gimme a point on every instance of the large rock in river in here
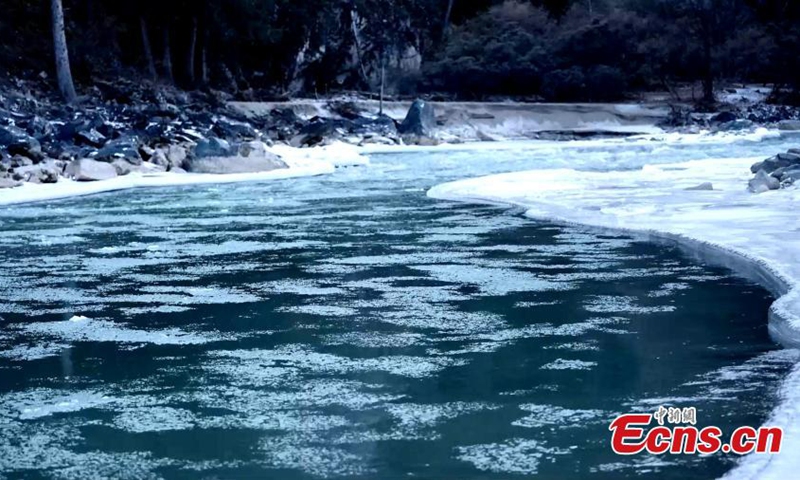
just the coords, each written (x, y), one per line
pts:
(420, 120)
(781, 160)
(763, 182)
(87, 170)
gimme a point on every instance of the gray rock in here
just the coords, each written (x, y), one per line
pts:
(255, 148)
(90, 137)
(8, 183)
(122, 167)
(724, 117)
(782, 160)
(763, 182)
(20, 161)
(176, 155)
(790, 176)
(17, 142)
(735, 125)
(177, 170)
(41, 173)
(88, 170)
(213, 147)
(315, 132)
(226, 165)
(160, 158)
(227, 128)
(706, 186)
(120, 149)
(420, 120)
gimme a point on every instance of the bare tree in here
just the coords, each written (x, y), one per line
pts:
(63, 72)
(192, 52)
(148, 51)
(168, 57)
(447, 15)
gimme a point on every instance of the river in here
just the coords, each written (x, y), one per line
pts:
(349, 326)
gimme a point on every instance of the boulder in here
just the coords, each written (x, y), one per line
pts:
(41, 173)
(17, 142)
(781, 160)
(90, 137)
(213, 147)
(735, 125)
(238, 164)
(315, 132)
(227, 128)
(176, 156)
(706, 186)
(382, 125)
(256, 148)
(8, 183)
(790, 176)
(88, 170)
(122, 167)
(348, 110)
(19, 161)
(763, 182)
(160, 158)
(120, 149)
(420, 120)
(723, 117)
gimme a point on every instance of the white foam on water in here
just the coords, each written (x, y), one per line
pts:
(541, 416)
(563, 364)
(492, 281)
(515, 456)
(154, 419)
(83, 329)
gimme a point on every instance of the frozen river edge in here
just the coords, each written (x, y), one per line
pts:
(757, 236)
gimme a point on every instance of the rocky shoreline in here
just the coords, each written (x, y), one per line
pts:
(149, 129)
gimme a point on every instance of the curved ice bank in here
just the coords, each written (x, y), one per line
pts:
(756, 235)
(301, 162)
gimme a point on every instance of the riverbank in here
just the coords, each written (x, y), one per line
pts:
(756, 235)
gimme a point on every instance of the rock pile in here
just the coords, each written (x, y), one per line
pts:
(776, 172)
(136, 128)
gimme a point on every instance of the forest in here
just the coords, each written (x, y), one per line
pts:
(552, 50)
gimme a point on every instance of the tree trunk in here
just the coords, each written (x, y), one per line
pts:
(168, 58)
(192, 52)
(708, 69)
(204, 65)
(63, 72)
(446, 29)
(148, 51)
(383, 81)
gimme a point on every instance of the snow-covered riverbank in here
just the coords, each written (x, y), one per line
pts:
(757, 235)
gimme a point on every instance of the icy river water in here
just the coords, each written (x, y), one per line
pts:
(349, 326)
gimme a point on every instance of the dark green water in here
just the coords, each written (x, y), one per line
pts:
(348, 326)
